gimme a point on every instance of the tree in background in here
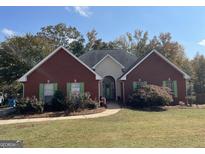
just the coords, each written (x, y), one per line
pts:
(63, 35)
(28, 49)
(198, 64)
(92, 40)
(18, 55)
(135, 43)
(11, 67)
(140, 44)
(97, 44)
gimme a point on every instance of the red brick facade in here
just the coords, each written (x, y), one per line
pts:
(61, 68)
(154, 70)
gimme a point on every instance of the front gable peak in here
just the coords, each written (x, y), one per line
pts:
(112, 58)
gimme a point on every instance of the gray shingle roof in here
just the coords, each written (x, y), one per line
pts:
(93, 57)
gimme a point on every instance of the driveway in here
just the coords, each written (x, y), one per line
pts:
(6, 110)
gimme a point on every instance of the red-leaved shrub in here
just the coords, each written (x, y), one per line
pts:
(149, 96)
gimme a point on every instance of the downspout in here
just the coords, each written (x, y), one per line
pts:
(99, 87)
(23, 90)
(123, 91)
(116, 89)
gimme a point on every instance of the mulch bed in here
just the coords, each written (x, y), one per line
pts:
(53, 114)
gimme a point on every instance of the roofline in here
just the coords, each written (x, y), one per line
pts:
(186, 76)
(24, 77)
(108, 55)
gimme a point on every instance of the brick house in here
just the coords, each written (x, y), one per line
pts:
(109, 73)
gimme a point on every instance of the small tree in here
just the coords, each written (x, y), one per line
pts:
(58, 102)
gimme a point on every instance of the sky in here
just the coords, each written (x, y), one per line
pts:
(186, 24)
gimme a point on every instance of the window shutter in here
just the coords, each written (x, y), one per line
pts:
(81, 88)
(164, 83)
(55, 87)
(175, 88)
(41, 91)
(134, 84)
(68, 87)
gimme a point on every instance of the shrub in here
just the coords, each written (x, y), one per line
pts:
(90, 104)
(58, 102)
(191, 100)
(25, 106)
(149, 96)
(77, 103)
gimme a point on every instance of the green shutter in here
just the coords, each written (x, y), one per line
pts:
(164, 83)
(68, 87)
(175, 88)
(41, 91)
(55, 87)
(81, 88)
(137, 85)
(134, 85)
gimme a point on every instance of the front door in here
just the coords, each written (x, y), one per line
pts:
(109, 88)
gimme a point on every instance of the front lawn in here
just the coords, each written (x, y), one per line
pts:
(128, 128)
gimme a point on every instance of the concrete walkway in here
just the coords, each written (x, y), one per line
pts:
(112, 109)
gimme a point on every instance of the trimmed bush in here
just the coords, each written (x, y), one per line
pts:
(58, 102)
(26, 106)
(150, 96)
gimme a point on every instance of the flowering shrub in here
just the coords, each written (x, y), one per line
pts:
(77, 103)
(58, 103)
(150, 95)
(28, 105)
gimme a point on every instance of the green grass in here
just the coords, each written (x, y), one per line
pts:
(128, 128)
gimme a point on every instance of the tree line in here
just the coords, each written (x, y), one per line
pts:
(18, 54)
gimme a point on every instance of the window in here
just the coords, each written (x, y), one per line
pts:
(171, 84)
(138, 84)
(47, 90)
(75, 88)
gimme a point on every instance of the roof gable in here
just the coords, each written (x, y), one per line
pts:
(24, 77)
(108, 56)
(91, 58)
(186, 76)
